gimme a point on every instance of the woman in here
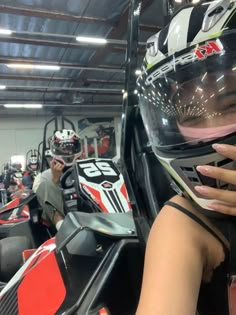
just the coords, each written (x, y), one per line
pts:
(187, 99)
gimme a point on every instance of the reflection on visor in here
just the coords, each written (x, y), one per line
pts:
(66, 148)
(33, 160)
(194, 104)
(206, 134)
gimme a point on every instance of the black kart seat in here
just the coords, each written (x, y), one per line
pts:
(111, 224)
(78, 231)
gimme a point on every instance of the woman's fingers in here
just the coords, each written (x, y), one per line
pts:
(218, 194)
(226, 199)
(225, 175)
(226, 150)
(220, 173)
(223, 208)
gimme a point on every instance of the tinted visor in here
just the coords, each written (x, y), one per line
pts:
(193, 101)
(66, 148)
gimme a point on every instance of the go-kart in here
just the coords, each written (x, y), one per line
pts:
(20, 229)
(93, 185)
(94, 264)
(74, 271)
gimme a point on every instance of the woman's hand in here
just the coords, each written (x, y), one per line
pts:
(57, 170)
(226, 199)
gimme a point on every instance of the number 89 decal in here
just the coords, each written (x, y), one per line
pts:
(98, 169)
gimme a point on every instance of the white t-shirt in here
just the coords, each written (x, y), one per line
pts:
(45, 175)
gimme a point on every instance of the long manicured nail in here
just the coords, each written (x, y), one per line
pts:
(202, 189)
(214, 206)
(219, 147)
(204, 169)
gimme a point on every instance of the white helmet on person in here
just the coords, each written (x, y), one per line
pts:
(187, 92)
(65, 146)
(33, 163)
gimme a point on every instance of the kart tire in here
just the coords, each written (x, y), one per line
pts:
(11, 249)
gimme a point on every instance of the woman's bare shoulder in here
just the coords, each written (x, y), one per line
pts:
(172, 216)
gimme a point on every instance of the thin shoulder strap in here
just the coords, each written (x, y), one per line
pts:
(197, 219)
(232, 239)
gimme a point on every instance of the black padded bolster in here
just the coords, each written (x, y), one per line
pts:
(111, 224)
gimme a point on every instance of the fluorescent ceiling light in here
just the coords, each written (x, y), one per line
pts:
(23, 105)
(2, 87)
(206, 3)
(221, 77)
(32, 66)
(93, 40)
(5, 32)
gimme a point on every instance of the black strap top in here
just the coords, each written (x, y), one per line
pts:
(213, 296)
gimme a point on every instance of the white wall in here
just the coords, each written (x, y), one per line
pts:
(18, 135)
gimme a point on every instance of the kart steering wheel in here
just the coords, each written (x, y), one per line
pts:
(65, 183)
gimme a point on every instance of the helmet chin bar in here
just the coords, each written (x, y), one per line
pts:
(184, 171)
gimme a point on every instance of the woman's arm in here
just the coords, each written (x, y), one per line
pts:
(176, 257)
(226, 198)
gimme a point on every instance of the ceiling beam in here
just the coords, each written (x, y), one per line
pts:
(50, 15)
(94, 93)
(98, 81)
(77, 105)
(36, 88)
(55, 103)
(4, 60)
(112, 112)
(8, 76)
(66, 38)
(116, 32)
(56, 43)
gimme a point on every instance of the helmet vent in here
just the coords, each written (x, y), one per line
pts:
(208, 181)
(224, 162)
(191, 174)
(214, 14)
(152, 45)
(187, 169)
(216, 11)
(194, 179)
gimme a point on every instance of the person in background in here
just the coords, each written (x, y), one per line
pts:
(187, 100)
(65, 148)
(32, 169)
(103, 142)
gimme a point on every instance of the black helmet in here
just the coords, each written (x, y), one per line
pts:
(187, 92)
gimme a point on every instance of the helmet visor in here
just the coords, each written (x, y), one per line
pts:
(192, 104)
(66, 148)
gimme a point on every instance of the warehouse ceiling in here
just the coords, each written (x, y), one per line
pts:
(83, 78)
